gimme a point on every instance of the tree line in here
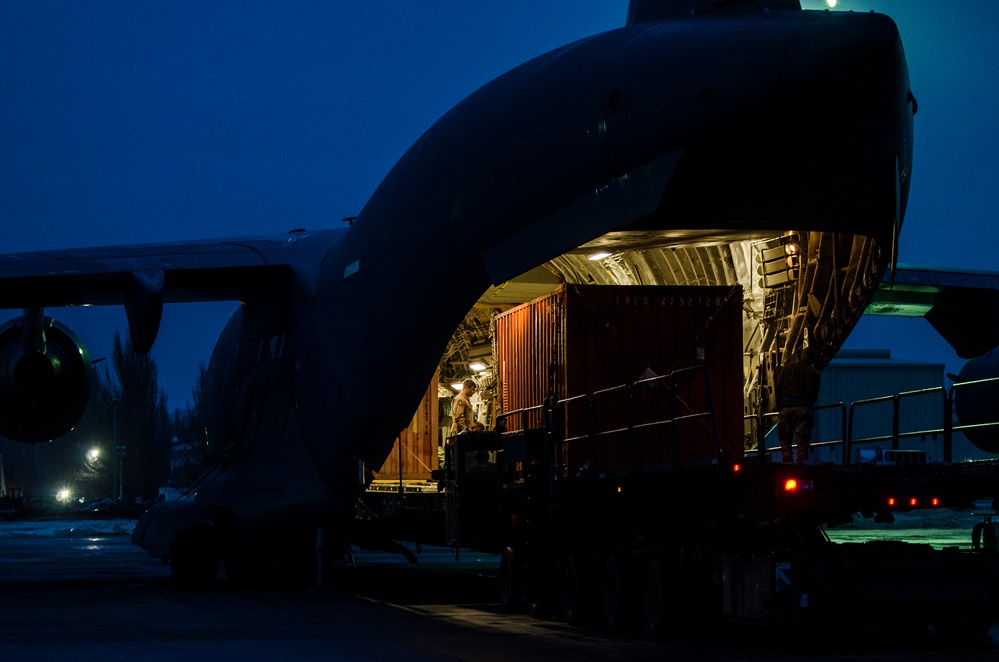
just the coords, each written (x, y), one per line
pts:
(129, 409)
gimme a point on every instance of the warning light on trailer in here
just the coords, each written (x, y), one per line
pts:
(791, 485)
(736, 468)
(891, 501)
(935, 502)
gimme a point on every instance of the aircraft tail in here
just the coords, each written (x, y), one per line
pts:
(643, 11)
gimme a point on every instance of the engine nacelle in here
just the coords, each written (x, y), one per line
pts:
(45, 378)
(978, 404)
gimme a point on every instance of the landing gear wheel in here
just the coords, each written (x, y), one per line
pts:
(194, 558)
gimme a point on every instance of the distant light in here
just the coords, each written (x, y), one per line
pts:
(63, 495)
(830, 3)
(934, 502)
(478, 366)
(94, 453)
(913, 502)
(891, 501)
(598, 256)
(618, 489)
(736, 467)
(791, 485)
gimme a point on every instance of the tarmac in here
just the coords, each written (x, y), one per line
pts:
(86, 593)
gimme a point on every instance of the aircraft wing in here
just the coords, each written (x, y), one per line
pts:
(963, 306)
(144, 277)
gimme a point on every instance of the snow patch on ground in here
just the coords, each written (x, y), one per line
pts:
(66, 528)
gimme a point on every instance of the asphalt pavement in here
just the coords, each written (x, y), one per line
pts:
(87, 593)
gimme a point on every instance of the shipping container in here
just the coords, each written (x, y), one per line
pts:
(416, 445)
(621, 361)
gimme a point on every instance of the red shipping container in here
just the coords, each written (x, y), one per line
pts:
(416, 445)
(583, 340)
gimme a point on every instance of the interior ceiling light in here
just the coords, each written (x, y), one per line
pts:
(598, 256)
(477, 366)
(458, 386)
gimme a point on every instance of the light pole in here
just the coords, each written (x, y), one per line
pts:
(118, 473)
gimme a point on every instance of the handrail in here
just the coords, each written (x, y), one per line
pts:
(559, 408)
(943, 430)
(853, 407)
(711, 410)
(951, 393)
(629, 425)
(589, 426)
(896, 435)
(847, 418)
(763, 448)
(502, 418)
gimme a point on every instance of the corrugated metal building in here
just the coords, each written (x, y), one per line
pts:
(855, 375)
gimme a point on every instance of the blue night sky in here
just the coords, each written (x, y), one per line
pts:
(136, 122)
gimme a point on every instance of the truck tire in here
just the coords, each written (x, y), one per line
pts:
(508, 582)
(543, 591)
(577, 591)
(618, 598)
(656, 602)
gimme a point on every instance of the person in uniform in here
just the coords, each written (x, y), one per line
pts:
(462, 413)
(797, 389)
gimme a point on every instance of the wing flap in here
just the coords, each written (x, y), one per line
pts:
(963, 306)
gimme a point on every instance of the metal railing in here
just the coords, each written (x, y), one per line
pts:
(567, 430)
(848, 439)
(557, 421)
(762, 449)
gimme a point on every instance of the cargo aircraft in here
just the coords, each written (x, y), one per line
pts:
(740, 142)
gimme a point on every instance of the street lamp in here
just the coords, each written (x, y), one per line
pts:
(119, 453)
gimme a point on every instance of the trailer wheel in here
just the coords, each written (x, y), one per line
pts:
(509, 582)
(576, 591)
(618, 599)
(542, 590)
(656, 605)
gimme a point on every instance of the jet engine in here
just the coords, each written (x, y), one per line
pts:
(45, 378)
(978, 404)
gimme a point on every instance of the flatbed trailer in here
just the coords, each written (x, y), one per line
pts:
(647, 505)
(741, 541)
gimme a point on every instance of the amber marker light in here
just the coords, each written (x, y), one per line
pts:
(891, 501)
(935, 502)
(913, 502)
(736, 468)
(791, 485)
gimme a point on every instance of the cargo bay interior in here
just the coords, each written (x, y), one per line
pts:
(798, 289)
